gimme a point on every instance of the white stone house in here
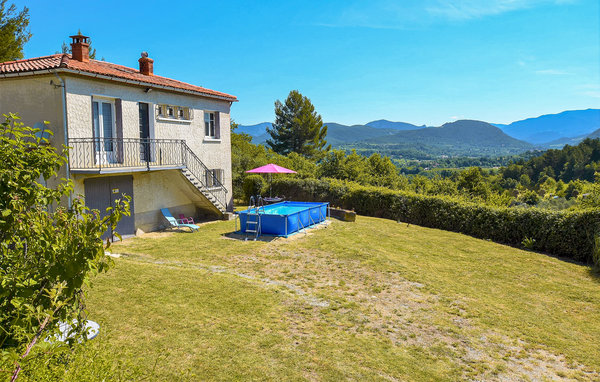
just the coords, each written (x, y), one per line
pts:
(164, 142)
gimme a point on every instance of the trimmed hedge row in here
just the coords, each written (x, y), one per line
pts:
(567, 234)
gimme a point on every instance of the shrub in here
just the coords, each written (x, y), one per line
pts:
(48, 253)
(253, 185)
(529, 197)
(569, 234)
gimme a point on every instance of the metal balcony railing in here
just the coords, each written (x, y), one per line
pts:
(109, 153)
(103, 155)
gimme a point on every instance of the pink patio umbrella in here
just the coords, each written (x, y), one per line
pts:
(270, 169)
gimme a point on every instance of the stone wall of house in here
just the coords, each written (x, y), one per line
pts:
(36, 99)
(214, 153)
(155, 190)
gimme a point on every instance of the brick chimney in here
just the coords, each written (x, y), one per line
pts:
(80, 47)
(146, 64)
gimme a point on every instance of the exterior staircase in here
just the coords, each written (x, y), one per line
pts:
(204, 190)
(203, 179)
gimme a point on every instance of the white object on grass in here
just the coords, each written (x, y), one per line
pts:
(91, 329)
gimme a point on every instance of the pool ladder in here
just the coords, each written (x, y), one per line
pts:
(253, 219)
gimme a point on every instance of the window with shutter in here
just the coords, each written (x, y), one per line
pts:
(209, 124)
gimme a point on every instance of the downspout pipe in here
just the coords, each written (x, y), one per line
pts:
(65, 129)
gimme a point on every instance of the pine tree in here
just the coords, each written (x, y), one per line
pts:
(13, 31)
(297, 128)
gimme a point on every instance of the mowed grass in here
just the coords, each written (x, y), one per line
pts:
(371, 300)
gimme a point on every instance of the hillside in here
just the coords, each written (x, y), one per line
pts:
(463, 137)
(566, 164)
(254, 130)
(550, 128)
(594, 134)
(337, 134)
(560, 143)
(385, 124)
(341, 134)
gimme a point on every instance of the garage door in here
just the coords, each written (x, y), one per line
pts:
(101, 193)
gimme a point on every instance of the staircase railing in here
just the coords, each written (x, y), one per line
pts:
(204, 175)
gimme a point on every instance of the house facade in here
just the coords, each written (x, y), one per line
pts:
(164, 142)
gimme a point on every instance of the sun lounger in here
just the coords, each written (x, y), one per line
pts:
(174, 223)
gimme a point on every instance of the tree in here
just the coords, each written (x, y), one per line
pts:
(336, 164)
(13, 31)
(383, 172)
(297, 128)
(47, 252)
(473, 183)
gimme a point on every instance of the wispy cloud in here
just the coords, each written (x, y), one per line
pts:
(391, 14)
(590, 90)
(553, 72)
(472, 9)
(377, 14)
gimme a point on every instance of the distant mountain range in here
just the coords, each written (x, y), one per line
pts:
(465, 132)
(551, 128)
(463, 137)
(254, 130)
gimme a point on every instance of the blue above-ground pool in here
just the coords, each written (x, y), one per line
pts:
(286, 218)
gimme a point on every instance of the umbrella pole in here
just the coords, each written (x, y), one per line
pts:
(270, 185)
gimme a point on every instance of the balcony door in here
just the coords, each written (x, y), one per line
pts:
(103, 112)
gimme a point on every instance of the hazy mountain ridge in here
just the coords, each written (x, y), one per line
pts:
(465, 131)
(459, 138)
(463, 137)
(594, 134)
(385, 124)
(551, 128)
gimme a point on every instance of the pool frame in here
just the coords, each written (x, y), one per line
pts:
(272, 224)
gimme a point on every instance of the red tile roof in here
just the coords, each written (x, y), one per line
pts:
(64, 62)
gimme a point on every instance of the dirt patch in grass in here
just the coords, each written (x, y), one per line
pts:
(387, 304)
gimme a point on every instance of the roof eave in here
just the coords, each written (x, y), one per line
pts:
(117, 79)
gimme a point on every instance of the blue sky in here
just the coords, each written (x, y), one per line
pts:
(423, 62)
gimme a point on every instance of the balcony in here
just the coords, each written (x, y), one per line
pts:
(112, 155)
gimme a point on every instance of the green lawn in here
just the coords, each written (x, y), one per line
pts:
(371, 300)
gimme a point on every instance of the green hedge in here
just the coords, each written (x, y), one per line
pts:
(253, 185)
(566, 234)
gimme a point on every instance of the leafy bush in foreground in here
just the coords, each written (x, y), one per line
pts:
(567, 234)
(47, 252)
